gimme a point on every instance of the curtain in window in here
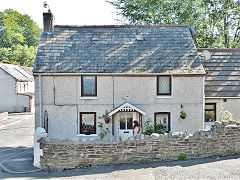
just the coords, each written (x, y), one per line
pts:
(163, 85)
(89, 85)
(88, 123)
(162, 122)
(210, 112)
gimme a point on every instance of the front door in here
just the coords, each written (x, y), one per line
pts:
(125, 122)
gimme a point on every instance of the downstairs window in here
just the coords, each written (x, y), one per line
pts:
(210, 112)
(162, 121)
(87, 123)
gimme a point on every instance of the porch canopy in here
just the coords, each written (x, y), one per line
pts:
(126, 107)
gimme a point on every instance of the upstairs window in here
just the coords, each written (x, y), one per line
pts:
(163, 85)
(88, 86)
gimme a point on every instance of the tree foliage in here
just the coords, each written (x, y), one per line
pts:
(19, 38)
(217, 22)
(19, 54)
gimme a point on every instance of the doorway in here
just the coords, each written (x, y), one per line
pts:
(125, 121)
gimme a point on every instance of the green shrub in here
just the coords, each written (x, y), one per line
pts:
(182, 157)
(149, 132)
(102, 135)
(151, 128)
(160, 131)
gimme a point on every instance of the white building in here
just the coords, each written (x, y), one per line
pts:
(16, 88)
(133, 72)
(222, 83)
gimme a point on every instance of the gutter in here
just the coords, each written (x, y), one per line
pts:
(222, 97)
(118, 74)
(40, 98)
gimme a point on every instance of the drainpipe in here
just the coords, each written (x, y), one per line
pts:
(113, 92)
(40, 98)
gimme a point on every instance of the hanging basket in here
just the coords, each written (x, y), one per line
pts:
(183, 115)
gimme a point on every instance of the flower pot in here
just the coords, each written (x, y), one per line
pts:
(182, 116)
(107, 120)
(87, 133)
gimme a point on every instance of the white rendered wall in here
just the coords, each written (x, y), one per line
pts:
(9, 100)
(231, 105)
(64, 103)
(25, 87)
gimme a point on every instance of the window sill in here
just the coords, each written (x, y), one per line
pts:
(91, 135)
(163, 97)
(90, 98)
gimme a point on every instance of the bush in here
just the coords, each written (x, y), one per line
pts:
(160, 131)
(151, 129)
(182, 157)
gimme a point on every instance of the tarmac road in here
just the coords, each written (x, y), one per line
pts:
(16, 136)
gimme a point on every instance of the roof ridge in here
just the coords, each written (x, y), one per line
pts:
(219, 49)
(119, 26)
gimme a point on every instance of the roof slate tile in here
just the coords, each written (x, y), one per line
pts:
(70, 49)
(222, 73)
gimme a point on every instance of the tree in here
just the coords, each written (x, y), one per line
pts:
(19, 54)
(18, 29)
(19, 38)
(216, 21)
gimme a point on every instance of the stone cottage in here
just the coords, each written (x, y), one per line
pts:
(134, 72)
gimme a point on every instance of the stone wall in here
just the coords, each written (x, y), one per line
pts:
(3, 116)
(223, 139)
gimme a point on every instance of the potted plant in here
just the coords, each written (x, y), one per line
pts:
(88, 130)
(106, 117)
(183, 115)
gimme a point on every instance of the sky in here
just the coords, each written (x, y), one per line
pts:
(66, 12)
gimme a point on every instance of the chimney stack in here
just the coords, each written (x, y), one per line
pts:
(48, 21)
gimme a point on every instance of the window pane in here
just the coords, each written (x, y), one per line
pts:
(122, 123)
(129, 123)
(163, 85)
(89, 85)
(88, 123)
(162, 122)
(210, 116)
(211, 107)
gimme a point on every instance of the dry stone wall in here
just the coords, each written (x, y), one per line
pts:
(223, 139)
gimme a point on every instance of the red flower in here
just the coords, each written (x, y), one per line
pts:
(91, 129)
(85, 128)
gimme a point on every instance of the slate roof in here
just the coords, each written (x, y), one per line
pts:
(222, 73)
(16, 72)
(118, 49)
(27, 69)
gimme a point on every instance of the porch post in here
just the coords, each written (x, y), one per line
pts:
(140, 119)
(113, 124)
